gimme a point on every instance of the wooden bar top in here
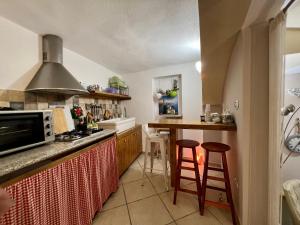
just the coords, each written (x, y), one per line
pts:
(185, 124)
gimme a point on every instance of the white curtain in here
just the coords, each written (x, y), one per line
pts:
(276, 96)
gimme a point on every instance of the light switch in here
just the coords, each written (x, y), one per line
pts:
(236, 104)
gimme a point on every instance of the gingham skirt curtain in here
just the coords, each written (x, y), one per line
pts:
(68, 194)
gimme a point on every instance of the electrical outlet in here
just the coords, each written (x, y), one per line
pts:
(236, 182)
(236, 104)
(221, 197)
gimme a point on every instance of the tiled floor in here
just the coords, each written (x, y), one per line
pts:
(150, 204)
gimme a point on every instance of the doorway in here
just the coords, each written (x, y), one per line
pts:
(290, 156)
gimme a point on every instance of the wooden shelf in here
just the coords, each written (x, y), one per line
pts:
(104, 95)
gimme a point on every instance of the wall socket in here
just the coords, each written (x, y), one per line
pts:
(236, 104)
(221, 197)
(236, 182)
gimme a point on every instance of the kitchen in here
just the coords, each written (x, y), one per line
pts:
(90, 93)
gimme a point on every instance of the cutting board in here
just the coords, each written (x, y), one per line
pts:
(60, 121)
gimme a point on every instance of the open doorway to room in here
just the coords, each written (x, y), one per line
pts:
(290, 163)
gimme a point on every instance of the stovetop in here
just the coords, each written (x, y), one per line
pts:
(75, 135)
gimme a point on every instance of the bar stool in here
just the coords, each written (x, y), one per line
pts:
(191, 145)
(222, 149)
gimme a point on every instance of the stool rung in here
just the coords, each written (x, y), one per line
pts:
(216, 188)
(188, 191)
(215, 169)
(187, 168)
(216, 178)
(187, 178)
(187, 160)
(217, 204)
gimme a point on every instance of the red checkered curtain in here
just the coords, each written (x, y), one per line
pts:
(67, 194)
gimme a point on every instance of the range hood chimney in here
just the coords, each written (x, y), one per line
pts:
(52, 76)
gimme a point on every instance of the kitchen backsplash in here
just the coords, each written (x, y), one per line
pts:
(31, 101)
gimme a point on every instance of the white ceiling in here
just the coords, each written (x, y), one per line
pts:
(293, 15)
(122, 35)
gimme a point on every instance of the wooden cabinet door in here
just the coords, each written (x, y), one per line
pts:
(129, 146)
(139, 140)
(134, 148)
(121, 150)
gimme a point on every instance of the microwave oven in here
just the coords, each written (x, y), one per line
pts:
(21, 130)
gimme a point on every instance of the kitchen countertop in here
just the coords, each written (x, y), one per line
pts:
(20, 160)
(187, 124)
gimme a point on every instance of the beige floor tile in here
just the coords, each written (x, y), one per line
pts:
(197, 219)
(223, 215)
(157, 163)
(114, 216)
(132, 174)
(115, 200)
(135, 191)
(159, 183)
(135, 164)
(186, 204)
(211, 195)
(149, 211)
(140, 159)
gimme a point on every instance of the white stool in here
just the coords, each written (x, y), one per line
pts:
(152, 137)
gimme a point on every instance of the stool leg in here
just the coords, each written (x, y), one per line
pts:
(152, 155)
(228, 188)
(148, 143)
(197, 175)
(204, 182)
(178, 174)
(164, 162)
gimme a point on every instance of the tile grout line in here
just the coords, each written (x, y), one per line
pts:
(130, 221)
(215, 216)
(148, 177)
(158, 194)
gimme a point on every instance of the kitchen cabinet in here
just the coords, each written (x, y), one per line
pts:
(129, 147)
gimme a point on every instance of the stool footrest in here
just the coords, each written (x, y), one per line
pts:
(216, 188)
(188, 191)
(215, 169)
(217, 204)
(187, 168)
(188, 178)
(187, 160)
(216, 178)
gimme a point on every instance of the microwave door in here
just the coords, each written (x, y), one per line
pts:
(20, 130)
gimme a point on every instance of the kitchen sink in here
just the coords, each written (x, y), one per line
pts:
(119, 124)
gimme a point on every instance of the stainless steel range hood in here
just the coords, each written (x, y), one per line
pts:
(52, 76)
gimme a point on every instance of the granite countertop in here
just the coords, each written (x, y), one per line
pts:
(20, 160)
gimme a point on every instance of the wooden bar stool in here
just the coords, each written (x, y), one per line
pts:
(192, 145)
(222, 149)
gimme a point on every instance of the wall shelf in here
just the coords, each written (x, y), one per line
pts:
(104, 95)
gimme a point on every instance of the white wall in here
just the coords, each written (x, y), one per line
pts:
(248, 81)
(20, 58)
(233, 90)
(290, 169)
(85, 70)
(142, 106)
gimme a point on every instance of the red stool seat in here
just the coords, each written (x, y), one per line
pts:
(215, 147)
(186, 143)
